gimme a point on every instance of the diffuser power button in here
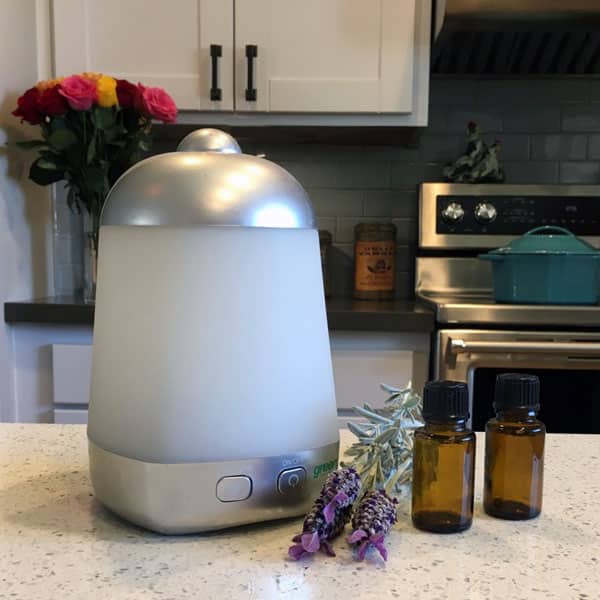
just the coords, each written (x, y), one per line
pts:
(291, 480)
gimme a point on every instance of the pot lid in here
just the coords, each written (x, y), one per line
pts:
(217, 186)
(547, 240)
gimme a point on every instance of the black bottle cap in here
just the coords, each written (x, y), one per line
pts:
(517, 390)
(445, 400)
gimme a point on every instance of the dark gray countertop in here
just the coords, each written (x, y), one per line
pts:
(342, 314)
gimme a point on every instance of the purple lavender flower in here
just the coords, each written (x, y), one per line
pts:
(341, 489)
(372, 520)
(329, 514)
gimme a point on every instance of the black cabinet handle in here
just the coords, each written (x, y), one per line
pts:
(216, 51)
(251, 53)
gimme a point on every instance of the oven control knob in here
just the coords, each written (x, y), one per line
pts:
(485, 212)
(453, 213)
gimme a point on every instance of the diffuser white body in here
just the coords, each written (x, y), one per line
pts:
(212, 399)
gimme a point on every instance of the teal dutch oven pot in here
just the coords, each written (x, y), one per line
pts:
(544, 268)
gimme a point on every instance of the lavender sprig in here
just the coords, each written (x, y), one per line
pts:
(341, 488)
(372, 520)
(329, 514)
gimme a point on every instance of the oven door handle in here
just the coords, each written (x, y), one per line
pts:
(459, 346)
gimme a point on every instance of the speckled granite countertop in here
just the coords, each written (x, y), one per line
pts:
(57, 542)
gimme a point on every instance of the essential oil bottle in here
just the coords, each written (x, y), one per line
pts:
(514, 450)
(444, 460)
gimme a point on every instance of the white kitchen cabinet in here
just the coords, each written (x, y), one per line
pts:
(71, 375)
(339, 62)
(158, 43)
(363, 360)
(339, 56)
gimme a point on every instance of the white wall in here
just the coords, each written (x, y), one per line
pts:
(24, 206)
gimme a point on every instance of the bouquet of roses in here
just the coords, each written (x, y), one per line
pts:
(93, 128)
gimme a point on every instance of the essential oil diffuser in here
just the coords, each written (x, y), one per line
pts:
(212, 398)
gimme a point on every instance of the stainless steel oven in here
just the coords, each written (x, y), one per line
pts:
(476, 339)
(568, 365)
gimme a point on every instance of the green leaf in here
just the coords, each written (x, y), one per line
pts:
(103, 117)
(389, 389)
(91, 151)
(57, 123)
(32, 144)
(72, 201)
(386, 436)
(46, 174)
(62, 138)
(47, 164)
(145, 145)
(119, 143)
(94, 179)
(73, 156)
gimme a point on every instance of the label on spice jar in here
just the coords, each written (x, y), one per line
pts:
(374, 266)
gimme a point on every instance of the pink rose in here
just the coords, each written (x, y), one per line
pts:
(156, 103)
(79, 92)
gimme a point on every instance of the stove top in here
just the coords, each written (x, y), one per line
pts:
(457, 222)
(479, 308)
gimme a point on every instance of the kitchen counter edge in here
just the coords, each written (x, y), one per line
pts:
(342, 314)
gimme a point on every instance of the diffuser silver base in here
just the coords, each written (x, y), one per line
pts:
(182, 497)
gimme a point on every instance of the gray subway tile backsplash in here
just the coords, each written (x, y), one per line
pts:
(411, 174)
(559, 146)
(594, 147)
(439, 147)
(532, 118)
(580, 172)
(340, 174)
(390, 203)
(527, 92)
(488, 119)
(550, 133)
(336, 203)
(531, 171)
(582, 118)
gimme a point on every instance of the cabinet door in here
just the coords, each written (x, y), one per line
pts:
(338, 56)
(158, 43)
(71, 373)
(362, 360)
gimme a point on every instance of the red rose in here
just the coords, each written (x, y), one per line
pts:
(127, 93)
(157, 104)
(27, 107)
(138, 102)
(52, 103)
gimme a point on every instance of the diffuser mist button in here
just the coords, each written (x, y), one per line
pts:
(291, 480)
(234, 489)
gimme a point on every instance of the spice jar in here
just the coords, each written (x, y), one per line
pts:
(325, 239)
(374, 261)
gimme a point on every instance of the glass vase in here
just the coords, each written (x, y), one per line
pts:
(90, 259)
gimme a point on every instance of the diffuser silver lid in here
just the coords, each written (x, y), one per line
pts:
(209, 140)
(213, 187)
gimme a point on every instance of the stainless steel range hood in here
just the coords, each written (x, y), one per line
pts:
(516, 37)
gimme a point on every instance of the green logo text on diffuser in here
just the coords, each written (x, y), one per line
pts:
(324, 468)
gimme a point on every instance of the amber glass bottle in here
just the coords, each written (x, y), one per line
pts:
(444, 460)
(514, 450)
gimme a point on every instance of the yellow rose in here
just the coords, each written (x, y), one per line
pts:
(48, 83)
(107, 91)
(92, 76)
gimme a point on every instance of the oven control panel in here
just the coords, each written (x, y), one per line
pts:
(513, 215)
